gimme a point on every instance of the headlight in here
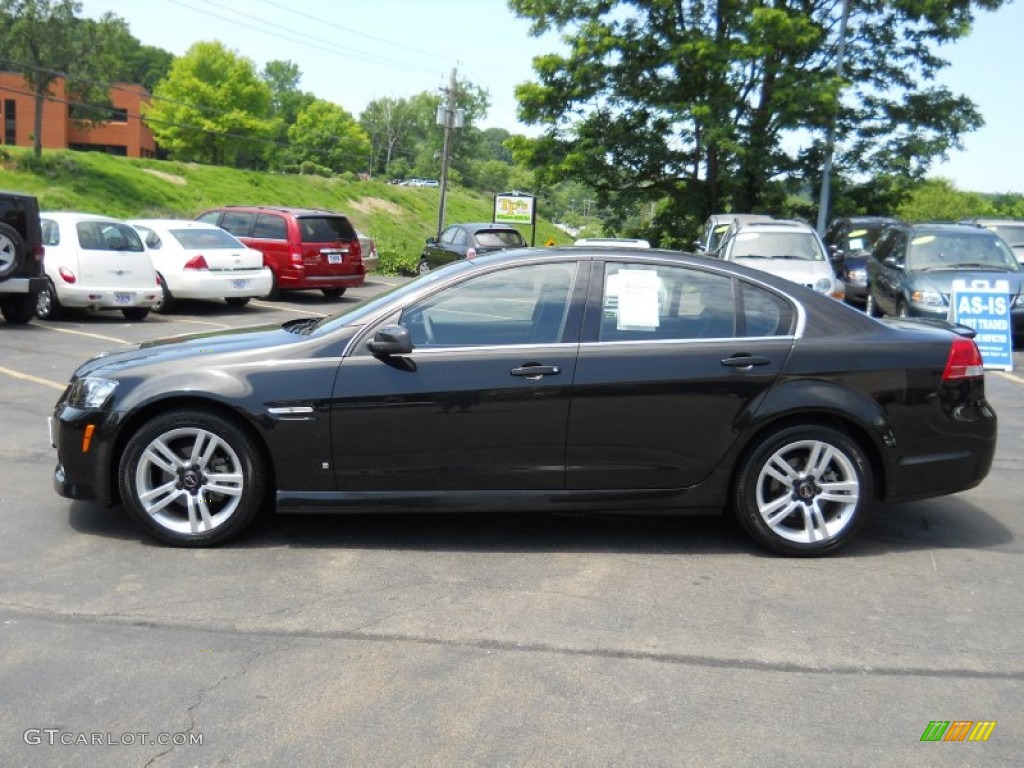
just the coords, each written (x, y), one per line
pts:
(857, 276)
(823, 285)
(90, 392)
(928, 298)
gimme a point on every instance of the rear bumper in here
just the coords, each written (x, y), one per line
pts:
(23, 285)
(108, 298)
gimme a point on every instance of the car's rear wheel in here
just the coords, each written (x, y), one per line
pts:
(167, 299)
(193, 478)
(803, 491)
(47, 304)
(135, 313)
(236, 301)
(423, 267)
(12, 250)
(18, 309)
(332, 293)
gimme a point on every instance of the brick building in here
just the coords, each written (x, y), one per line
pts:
(124, 134)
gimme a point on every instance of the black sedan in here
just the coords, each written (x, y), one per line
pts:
(467, 241)
(564, 379)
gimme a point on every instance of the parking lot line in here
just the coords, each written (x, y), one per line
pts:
(1011, 376)
(285, 309)
(202, 322)
(99, 336)
(34, 379)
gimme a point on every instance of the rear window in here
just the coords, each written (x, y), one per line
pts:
(500, 238)
(326, 229)
(205, 238)
(108, 236)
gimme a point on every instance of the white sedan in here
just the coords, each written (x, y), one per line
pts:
(95, 262)
(196, 260)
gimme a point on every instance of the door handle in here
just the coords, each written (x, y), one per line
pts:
(745, 361)
(536, 371)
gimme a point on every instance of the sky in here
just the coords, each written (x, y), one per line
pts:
(351, 52)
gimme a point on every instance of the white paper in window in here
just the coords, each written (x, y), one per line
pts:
(638, 291)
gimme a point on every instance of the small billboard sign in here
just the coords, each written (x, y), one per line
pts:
(985, 306)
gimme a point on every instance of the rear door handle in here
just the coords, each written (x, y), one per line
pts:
(536, 371)
(745, 361)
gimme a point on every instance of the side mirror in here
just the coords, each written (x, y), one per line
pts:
(391, 340)
(431, 241)
(890, 261)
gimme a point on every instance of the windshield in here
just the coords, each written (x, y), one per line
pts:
(960, 251)
(1013, 234)
(863, 238)
(777, 245)
(358, 314)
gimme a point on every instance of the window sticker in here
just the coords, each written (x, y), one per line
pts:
(858, 233)
(922, 239)
(638, 292)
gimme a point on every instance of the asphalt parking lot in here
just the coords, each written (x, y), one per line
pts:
(568, 640)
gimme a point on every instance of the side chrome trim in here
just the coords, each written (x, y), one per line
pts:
(290, 410)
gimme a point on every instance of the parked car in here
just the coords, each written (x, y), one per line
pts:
(913, 266)
(850, 240)
(304, 248)
(21, 257)
(95, 262)
(614, 242)
(466, 241)
(490, 385)
(789, 249)
(196, 260)
(716, 227)
(368, 247)
(1011, 230)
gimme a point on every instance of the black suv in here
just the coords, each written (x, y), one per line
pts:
(849, 240)
(21, 257)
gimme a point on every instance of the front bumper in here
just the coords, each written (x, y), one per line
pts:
(85, 455)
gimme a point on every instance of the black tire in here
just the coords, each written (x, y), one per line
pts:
(423, 267)
(236, 301)
(135, 313)
(275, 290)
(901, 309)
(175, 515)
(333, 293)
(870, 307)
(18, 309)
(47, 305)
(791, 516)
(12, 251)
(167, 302)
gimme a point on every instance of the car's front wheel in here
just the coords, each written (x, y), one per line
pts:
(803, 490)
(870, 307)
(423, 267)
(193, 478)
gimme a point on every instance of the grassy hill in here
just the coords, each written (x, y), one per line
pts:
(400, 218)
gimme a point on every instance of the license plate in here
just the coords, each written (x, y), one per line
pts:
(239, 285)
(122, 298)
(334, 258)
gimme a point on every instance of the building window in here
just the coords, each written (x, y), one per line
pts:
(10, 121)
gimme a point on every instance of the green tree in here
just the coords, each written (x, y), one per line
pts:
(213, 108)
(692, 102)
(327, 135)
(940, 200)
(388, 123)
(46, 40)
(286, 102)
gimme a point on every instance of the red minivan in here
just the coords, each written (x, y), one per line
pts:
(304, 248)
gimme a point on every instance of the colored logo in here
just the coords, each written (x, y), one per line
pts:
(958, 730)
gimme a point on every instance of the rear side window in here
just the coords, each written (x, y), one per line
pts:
(325, 229)
(269, 227)
(765, 313)
(501, 238)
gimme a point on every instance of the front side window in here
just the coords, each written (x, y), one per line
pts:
(51, 232)
(520, 305)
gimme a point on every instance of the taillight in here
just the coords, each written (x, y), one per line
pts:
(197, 262)
(39, 251)
(66, 275)
(964, 361)
(296, 255)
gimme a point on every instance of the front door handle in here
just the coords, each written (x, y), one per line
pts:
(536, 371)
(745, 361)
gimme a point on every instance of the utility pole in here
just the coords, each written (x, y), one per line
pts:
(449, 117)
(830, 141)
